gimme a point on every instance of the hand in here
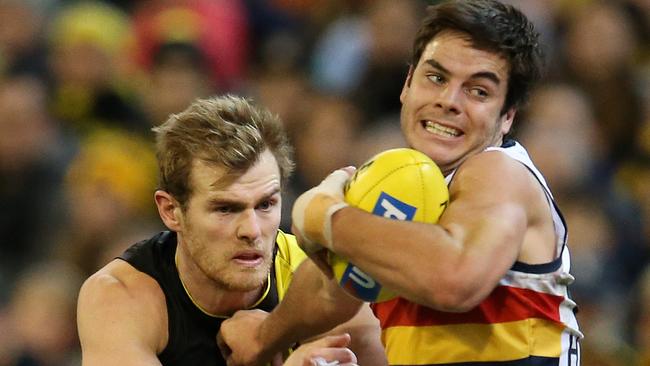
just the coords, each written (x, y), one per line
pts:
(319, 257)
(324, 351)
(239, 341)
(312, 211)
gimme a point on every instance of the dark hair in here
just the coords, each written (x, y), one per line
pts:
(494, 27)
(225, 131)
(180, 54)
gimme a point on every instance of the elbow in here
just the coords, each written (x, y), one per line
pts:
(456, 304)
(451, 295)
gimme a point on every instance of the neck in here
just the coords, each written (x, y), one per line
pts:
(210, 297)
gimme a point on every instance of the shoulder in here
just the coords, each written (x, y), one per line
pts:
(498, 185)
(120, 278)
(126, 304)
(496, 172)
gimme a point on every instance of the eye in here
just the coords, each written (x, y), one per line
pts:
(266, 205)
(436, 78)
(479, 93)
(223, 209)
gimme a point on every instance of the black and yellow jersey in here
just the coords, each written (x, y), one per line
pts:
(192, 332)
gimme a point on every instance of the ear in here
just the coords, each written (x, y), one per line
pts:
(407, 84)
(507, 119)
(169, 210)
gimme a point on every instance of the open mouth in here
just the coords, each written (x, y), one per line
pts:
(440, 130)
(249, 259)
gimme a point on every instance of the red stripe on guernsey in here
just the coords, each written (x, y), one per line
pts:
(504, 304)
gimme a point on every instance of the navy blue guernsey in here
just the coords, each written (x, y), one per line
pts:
(192, 333)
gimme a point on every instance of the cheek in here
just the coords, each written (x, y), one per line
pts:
(272, 220)
(485, 117)
(210, 221)
(270, 226)
(209, 233)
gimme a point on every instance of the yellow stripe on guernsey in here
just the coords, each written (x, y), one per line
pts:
(287, 259)
(472, 342)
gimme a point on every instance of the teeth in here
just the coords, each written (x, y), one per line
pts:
(440, 129)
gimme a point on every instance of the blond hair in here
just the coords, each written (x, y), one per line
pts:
(225, 131)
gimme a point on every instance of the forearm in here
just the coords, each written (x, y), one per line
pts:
(422, 262)
(313, 305)
(415, 260)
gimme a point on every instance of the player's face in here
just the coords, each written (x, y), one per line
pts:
(451, 106)
(229, 227)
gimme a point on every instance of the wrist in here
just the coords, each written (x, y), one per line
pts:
(317, 224)
(272, 341)
(333, 222)
(328, 226)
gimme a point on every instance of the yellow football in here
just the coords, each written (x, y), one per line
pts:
(400, 184)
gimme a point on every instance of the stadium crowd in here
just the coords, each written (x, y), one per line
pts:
(83, 82)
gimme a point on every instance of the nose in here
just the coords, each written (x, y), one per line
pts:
(449, 99)
(248, 227)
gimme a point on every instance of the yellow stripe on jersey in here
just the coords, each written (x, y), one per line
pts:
(287, 260)
(472, 342)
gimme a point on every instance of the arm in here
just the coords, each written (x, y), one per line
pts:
(121, 317)
(456, 263)
(310, 293)
(313, 305)
(366, 337)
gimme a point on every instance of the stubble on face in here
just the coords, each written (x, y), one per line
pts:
(212, 242)
(215, 263)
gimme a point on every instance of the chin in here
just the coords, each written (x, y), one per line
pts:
(245, 280)
(428, 149)
(245, 286)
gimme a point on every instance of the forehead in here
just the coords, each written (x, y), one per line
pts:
(456, 53)
(262, 177)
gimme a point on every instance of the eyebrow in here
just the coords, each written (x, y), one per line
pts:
(222, 200)
(225, 202)
(478, 75)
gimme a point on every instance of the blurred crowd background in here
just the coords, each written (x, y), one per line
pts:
(83, 82)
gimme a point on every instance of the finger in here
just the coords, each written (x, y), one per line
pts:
(339, 177)
(340, 355)
(337, 340)
(223, 347)
(319, 361)
(350, 170)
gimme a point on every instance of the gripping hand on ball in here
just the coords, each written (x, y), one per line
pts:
(312, 212)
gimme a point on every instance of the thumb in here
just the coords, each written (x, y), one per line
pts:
(350, 170)
(338, 177)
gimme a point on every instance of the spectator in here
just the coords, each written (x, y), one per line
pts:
(218, 28)
(178, 75)
(88, 43)
(33, 154)
(109, 188)
(42, 311)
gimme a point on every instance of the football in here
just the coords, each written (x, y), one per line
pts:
(399, 184)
